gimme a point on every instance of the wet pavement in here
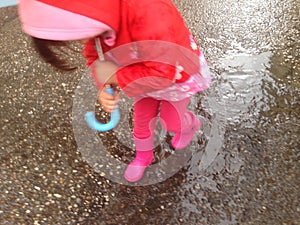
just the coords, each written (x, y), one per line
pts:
(244, 165)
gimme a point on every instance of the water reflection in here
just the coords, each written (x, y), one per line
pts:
(245, 76)
(253, 49)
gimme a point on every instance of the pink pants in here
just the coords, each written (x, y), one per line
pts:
(174, 116)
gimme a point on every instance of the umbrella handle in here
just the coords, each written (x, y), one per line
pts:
(102, 127)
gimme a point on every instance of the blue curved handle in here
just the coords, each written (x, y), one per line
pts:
(96, 125)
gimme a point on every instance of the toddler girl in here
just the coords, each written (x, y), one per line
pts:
(157, 61)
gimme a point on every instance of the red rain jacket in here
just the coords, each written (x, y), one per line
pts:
(155, 20)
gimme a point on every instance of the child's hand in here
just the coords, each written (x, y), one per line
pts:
(108, 101)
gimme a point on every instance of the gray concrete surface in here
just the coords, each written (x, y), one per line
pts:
(253, 50)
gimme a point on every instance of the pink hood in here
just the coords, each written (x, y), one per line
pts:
(70, 19)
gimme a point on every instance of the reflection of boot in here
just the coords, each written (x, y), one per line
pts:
(143, 158)
(183, 138)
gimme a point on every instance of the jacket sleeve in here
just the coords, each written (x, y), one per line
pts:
(155, 21)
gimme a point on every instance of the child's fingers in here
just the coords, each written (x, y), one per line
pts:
(109, 105)
(109, 109)
(108, 101)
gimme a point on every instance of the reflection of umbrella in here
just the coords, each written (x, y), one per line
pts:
(96, 125)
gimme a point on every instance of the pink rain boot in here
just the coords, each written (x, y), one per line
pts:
(182, 139)
(143, 158)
